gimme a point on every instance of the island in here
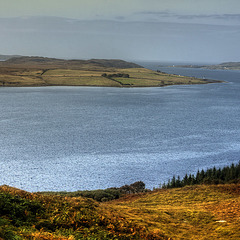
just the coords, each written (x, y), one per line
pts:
(23, 71)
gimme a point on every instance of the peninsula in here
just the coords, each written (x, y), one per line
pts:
(221, 66)
(19, 71)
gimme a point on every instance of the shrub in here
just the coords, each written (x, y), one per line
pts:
(117, 75)
(19, 210)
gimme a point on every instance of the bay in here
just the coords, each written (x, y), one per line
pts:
(76, 138)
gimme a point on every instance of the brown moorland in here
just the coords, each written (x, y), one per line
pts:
(191, 212)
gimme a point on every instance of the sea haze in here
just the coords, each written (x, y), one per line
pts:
(72, 138)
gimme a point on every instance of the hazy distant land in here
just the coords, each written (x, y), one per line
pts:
(6, 57)
(39, 71)
(221, 66)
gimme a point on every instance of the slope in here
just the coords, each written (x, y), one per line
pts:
(192, 212)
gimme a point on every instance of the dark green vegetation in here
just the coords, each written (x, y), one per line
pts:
(210, 176)
(26, 215)
(192, 212)
(103, 195)
(40, 71)
(221, 66)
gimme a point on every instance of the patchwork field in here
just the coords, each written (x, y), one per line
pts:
(37, 71)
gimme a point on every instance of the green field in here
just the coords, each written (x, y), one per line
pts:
(138, 77)
(30, 71)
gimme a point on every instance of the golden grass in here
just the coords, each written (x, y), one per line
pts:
(201, 212)
(80, 81)
(12, 80)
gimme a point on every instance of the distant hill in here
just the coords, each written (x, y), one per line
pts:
(226, 65)
(114, 63)
(223, 66)
(6, 57)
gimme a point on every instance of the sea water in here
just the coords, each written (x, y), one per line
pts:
(76, 138)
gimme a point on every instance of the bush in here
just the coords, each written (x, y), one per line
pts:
(19, 210)
(136, 187)
(99, 195)
(117, 75)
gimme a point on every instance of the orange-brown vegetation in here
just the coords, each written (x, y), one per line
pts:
(191, 212)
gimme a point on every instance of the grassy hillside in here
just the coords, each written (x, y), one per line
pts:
(39, 71)
(199, 212)
(192, 212)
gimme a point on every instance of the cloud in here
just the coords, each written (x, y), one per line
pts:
(120, 18)
(228, 16)
(216, 16)
(160, 13)
(219, 19)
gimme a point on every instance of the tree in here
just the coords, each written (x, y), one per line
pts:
(138, 186)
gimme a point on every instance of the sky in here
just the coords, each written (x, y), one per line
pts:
(145, 30)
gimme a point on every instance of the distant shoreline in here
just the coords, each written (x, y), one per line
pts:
(222, 66)
(99, 86)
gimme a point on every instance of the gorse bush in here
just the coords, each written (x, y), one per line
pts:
(48, 216)
(45, 216)
(229, 174)
(100, 195)
(18, 210)
(136, 187)
(103, 195)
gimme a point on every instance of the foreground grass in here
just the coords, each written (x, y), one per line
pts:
(192, 212)
(199, 212)
(34, 216)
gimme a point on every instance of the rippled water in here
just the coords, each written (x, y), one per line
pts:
(70, 138)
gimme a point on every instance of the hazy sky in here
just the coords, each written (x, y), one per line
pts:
(171, 30)
(144, 10)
